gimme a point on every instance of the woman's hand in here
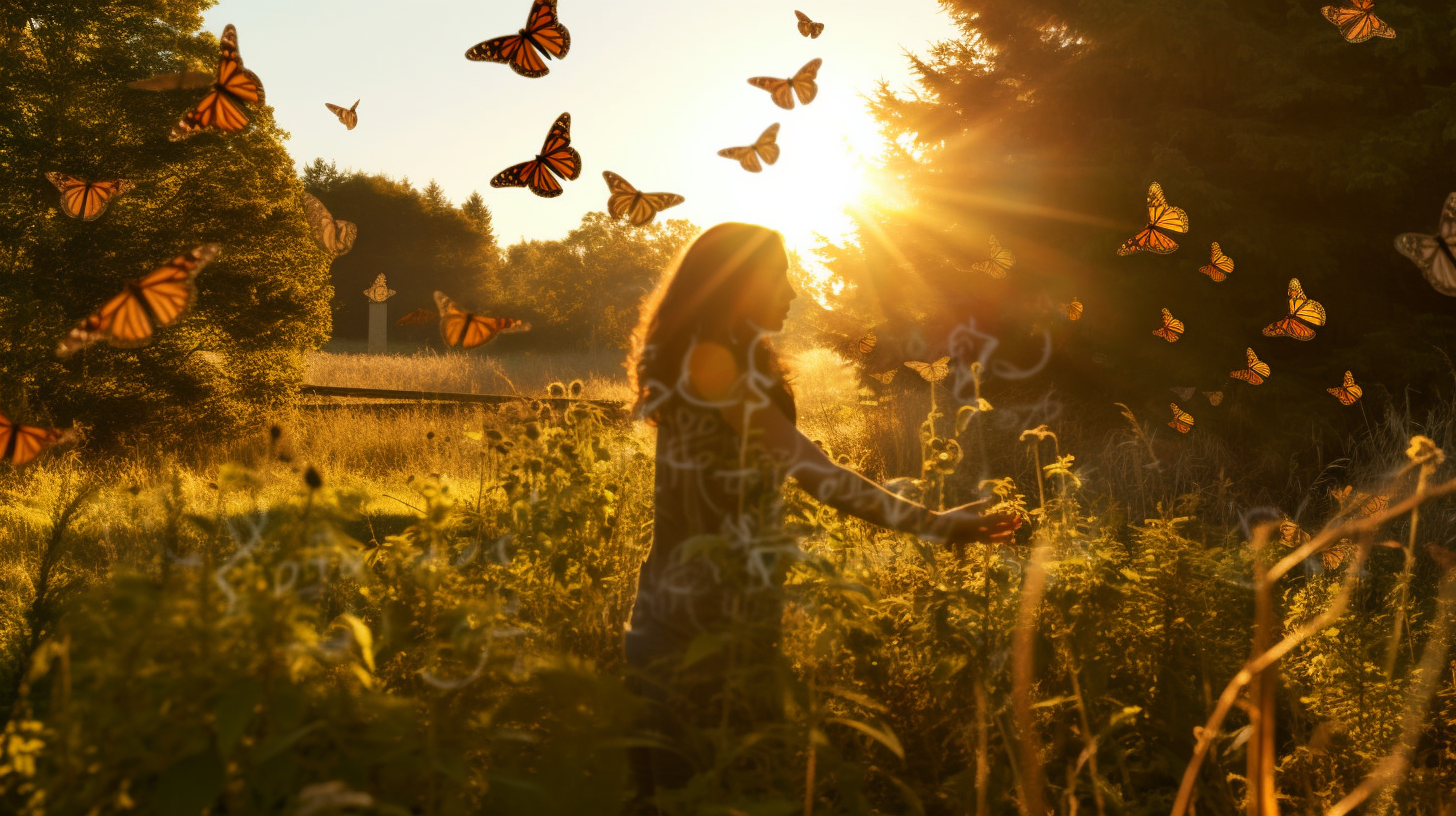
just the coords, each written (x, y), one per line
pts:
(966, 525)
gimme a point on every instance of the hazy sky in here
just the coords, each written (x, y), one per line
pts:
(655, 88)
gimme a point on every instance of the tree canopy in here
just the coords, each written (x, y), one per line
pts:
(1043, 122)
(414, 237)
(65, 106)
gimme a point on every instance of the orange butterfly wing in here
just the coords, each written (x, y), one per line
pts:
(467, 331)
(222, 108)
(1171, 329)
(1303, 314)
(1256, 371)
(1162, 217)
(153, 301)
(557, 156)
(544, 35)
(1359, 23)
(1182, 421)
(1220, 265)
(86, 200)
(636, 206)
(1348, 393)
(21, 444)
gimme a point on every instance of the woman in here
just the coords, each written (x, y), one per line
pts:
(704, 630)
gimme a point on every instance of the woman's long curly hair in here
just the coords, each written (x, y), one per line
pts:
(704, 297)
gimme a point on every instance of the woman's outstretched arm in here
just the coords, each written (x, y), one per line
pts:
(714, 374)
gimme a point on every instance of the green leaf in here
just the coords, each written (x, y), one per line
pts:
(190, 784)
(703, 646)
(278, 745)
(233, 709)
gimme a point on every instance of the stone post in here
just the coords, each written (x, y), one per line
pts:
(379, 315)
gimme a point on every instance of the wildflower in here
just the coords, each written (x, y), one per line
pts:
(1424, 451)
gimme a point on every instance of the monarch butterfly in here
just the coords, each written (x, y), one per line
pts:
(1348, 393)
(639, 207)
(886, 377)
(87, 200)
(543, 33)
(418, 316)
(146, 304)
(460, 328)
(1073, 309)
(808, 27)
(800, 84)
(1255, 373)
(1184, 394)
(222, 108)
(931, 372)
(1292, 534)
(332, 236)
(556, 156)
(1357, 22)
(1161, 218)
(182, 81)
(1214, 397)
(1363, 504)
(867, 343)
(20, 444)
(1302, 311)
(766, 147)
(349, 116)
(1182, 421)
(1333, 557)
(1000, 263)
(1220, 265)
(1171, 329)
(1432, 253)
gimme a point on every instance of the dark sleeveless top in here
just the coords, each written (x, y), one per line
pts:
(719, 551)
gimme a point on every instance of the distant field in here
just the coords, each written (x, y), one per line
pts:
(524, 373)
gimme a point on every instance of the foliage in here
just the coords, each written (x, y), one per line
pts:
(1043, 123)
(65, 107)
(583, 290)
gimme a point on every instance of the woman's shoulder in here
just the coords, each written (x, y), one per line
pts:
(712, 370)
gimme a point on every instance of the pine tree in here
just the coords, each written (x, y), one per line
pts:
(435, 196)
(1044, 122)
(65, 106)
(474, 209)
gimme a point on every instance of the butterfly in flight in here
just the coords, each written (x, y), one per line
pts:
(331, 235)
(1215, 398)
(181, 81)
(461, 328)
(146, 304)
(931, 372)
(808, 27)
(1000, 263)
(1432, 254)
(766, 148)
(1303, 314)
(638, 207)
(1073, 309)
(87, 200)
(1162, 218)
(418, 316)
(867, 343)
(543, 33)
(557, 156)
(1220, 266)
(1184, 394)
(1182, 421)
(1347, 392)
(222, 108)
(20, 444)
(349, 116)
(1256, 371)
(800, 84)
(886, 377)
(1171, 329)
(1357, 22)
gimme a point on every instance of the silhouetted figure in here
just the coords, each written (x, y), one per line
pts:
(706, 375)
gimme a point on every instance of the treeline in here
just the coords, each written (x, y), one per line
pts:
(579, 292)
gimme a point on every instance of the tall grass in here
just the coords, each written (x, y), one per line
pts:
(418, 609)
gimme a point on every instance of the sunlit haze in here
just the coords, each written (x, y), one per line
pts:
(655, 88)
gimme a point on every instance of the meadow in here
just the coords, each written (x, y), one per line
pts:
(419, 609)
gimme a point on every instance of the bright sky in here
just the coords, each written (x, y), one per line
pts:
(654, 87)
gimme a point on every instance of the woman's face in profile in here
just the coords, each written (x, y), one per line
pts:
(768, 307)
